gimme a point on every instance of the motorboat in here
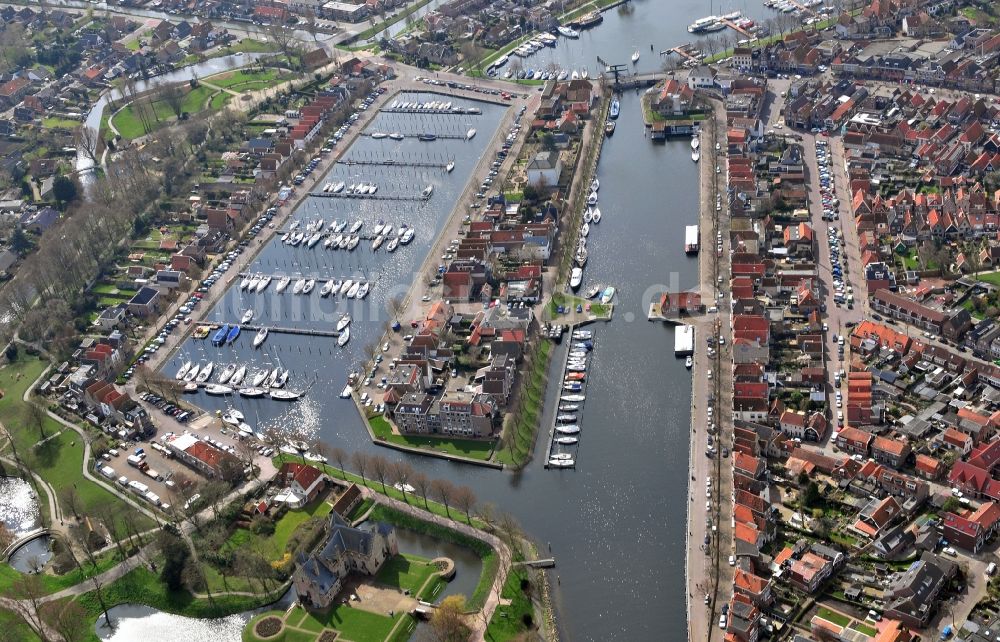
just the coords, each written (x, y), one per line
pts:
(297, 288)
(688, 363)
(566, 441)
(407, 236)
(576, 277)
(568, 407)
(343, 322)
(190, 387)
(428, 191)
(571, 429)
(272, 377)
(450, 167)
(282, 284)
(205, 373)
(356, 226)
(353, 242)
(596, 215)
(566, 419)
(227, 373)
(573, 398)
(609, 128)
(326, 289)
(264, 282)
(285, 395)
(585, 230)
(635, 56)
(333, 241)
(245, 282)
(247, 316)
(614, 109)
(253, 392)
(192, 374)
(588, 216)
(344, 337)
(353, 292)
(378, 228)
(379, 135)
(314, 239)
(363, 290)
(393, 244)
(561, 457)
(387, 231)
(592, 199)
(218, 389)
(219, 337)
(183, 370)
(607, 295)
(260, 337)
(238, 376)
(308, 287)
(595, 185)
(338, 187)
(234, 332)
(314, 457)
(346, 392)
(695, 155)
(346, 286)
(233, 417)
(396, 136)
(426, 138)
(695, 143)
(378, 241)
(573, 386)
(470, 134)
(582, 334)
(568, 32)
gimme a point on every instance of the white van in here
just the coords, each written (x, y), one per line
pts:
(991, 568)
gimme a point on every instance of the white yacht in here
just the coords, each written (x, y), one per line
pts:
(576, 278)
(343, 322)
(363, 290)
(344, 337)
(282, 284)
(297, 288)
(227, 373)
(326, 289)
(308, 287)
(264, 282)
(238, 376)
(192, 373)
(470, 134)
(353, 292)
(246, 317)
(205, 373)
(450, 166)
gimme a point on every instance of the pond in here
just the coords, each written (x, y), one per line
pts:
(18, 506)
(33, 556)
(468, 566)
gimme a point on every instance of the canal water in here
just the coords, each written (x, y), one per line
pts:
(19, 514)
(615, 523)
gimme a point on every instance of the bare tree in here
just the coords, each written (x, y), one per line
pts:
(423, 484)
(65, 619)
(395, 306)
(29, 590)
(87, 140)
(380, 469)
(339, 455)
(444, 490)
(465, 500)
(400, 473)
(173, 96)
(70, 499)
(37, 418)
(360, 461)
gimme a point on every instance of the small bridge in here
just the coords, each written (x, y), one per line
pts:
(24, 539)
(549, 562)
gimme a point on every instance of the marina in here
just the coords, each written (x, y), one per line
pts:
(638, 445)
(565, 430)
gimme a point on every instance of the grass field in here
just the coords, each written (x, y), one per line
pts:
(60, 123)
(248, 80)
(473, 448)
(273, 546)
(990, 277)
(520, 428)
(507, 622)
(129, 121)
(59, 460)
(409, 573)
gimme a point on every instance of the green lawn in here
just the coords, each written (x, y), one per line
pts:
(129, 122)
(832, 616)
(249, 45)
(870, 631)
(219, 100)
(474, 448)
(353, 624)
(273, 546)
(59, 461)
(485, 552)
(259, 78)
(520, 428)
(507, 622)
(60, 123)
(990, 277)
(409, 573)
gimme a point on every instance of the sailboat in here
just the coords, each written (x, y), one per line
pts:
(264, 282)
(183, 370)
(205, 373)
(469, 134)
(260, 338)
(238, 376)
(192, 373)
(344, 337)
(283, 283)
(246, 317)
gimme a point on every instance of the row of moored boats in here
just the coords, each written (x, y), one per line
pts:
(236, 378)
(338, 237)
(431, 106)
(567, 427)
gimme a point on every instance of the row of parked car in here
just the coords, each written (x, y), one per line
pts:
(175, 411)
(829, 198)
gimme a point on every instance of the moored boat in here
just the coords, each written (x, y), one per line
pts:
(260, 337)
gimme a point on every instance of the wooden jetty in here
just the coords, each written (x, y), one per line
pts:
(454, 111)
(394, 163)
(735, 27)
(372, 197)
(418, 134)
(309, 332)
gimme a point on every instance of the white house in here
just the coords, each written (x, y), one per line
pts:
(701, 77)
(544, 169)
